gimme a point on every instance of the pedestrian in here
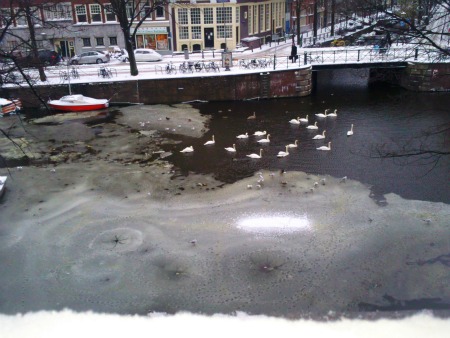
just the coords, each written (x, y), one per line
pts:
(293, 56)
(388, 40)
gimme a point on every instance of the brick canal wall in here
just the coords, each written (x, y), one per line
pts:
(225, 87)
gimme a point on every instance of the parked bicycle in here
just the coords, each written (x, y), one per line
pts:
(170, 68)
(248, 64)
(212, 66)
(186, 67)
(200, 65)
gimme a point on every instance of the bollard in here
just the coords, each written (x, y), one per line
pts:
(305, 58)
(416, 53)
(203, 55)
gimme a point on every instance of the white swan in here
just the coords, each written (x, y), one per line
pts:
(334, 113)
(313, 126)
(256, 155)
(322, 115)
(293, 145)
(325, 147)
(350, 132)
(304, 119)
(260, 133)
(319, 137)
(252, 117)
(242, 136)
(283, 153)
(295, 121)
(210, 141)
(264, 140)
(232, 149)
(187, 150)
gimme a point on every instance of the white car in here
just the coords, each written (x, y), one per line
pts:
(90, 57)
(147, 54)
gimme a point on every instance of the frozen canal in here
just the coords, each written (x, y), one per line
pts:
(125, 223)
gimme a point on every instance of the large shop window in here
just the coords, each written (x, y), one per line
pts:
(152, 40)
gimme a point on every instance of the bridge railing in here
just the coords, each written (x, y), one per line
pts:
(352, 55)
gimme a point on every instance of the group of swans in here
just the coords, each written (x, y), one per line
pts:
(298, 120)
(325, 113)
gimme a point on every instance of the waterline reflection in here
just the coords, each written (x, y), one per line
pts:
(274, 223)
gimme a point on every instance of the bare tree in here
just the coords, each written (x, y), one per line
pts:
(429, 147)
(131, 14)
(407, 19)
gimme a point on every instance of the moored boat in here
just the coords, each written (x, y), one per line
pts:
(78, 102)
(10, 106)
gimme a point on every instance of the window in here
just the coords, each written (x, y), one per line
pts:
(208, 16)
(195, 16)
(267, 18)
(130, 10)
(184, 32)
(96, 14)
(182, 16)
(109, 15)
(80, 11)
(238, 18)
(160, 13)
(250, 20)
(86, 42)
(224, 15)
(61, 11)
(21, 20)
(261, 18)
(113, 40)
(220, 32)
(99, 41)
(146, 11)
(5, 17)
(196, 32)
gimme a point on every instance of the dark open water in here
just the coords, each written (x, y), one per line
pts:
(382, 116)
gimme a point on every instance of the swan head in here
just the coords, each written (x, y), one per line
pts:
(315, 123)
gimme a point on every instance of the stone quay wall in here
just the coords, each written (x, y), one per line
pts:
(426, 77)
(224, 86)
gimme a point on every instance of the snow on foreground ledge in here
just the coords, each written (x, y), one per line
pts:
(70, 324)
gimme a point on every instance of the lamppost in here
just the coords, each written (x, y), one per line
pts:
(297, 13)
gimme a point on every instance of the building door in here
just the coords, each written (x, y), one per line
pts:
(66, 48)
(209, 37)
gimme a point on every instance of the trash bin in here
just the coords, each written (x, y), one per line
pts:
(186, 54)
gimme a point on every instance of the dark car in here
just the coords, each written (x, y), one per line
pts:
(45, 58)
(49, 57)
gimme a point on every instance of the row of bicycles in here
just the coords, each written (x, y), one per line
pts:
(191, 67)
(255, 63)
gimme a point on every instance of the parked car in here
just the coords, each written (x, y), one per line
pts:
(350, 27)
(147, 54)
(49, 57)
(359, 24)
(124, 55)
(90, 57)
